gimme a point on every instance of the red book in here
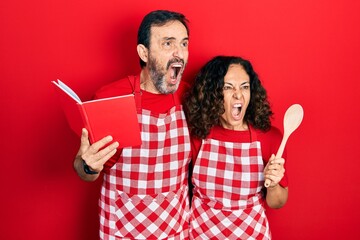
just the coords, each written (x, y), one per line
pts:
(115, 116)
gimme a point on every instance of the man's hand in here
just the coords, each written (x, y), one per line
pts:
(94, 155)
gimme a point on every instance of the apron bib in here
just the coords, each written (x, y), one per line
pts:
(227, 202)
(145, 194)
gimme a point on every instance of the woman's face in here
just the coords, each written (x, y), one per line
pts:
(236, 98)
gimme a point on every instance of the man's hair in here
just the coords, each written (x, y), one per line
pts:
(157, 18)
(204, 103)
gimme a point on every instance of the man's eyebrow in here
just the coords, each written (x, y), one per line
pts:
(169, 38)
(173, 38)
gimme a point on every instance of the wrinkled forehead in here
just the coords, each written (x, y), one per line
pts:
(172, 29)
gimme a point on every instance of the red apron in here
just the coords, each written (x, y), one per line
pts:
(145, 194)
(227, 202)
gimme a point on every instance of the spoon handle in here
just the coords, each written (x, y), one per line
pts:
(278, 155)
(282, 146)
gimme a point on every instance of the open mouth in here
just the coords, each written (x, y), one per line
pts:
(175, 70)
(236, 110)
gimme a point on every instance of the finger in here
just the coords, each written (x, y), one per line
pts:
(95, 147)
(274, 180)
(102, 156)
(105, 158)
(280, 161)
(97, 156)
(84, 138)
(92, 154)
(267, 183)
(278, 174)
(275, 167)
(105, 151)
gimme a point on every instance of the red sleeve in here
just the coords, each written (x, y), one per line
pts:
(270, 142)
(117, 88)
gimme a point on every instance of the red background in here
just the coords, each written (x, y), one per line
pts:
(305, 52)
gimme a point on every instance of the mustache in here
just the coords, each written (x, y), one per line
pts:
(175, 60)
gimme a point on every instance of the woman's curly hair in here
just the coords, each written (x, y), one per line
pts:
(204, 102)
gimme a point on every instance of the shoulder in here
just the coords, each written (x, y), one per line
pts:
(270, 141)
(273, 134)
(116, 88)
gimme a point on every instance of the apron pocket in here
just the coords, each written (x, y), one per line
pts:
(150, 216)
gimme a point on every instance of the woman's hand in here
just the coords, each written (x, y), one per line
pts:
(276, 195)
(274, 170)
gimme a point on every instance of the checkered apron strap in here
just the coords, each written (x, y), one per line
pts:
(145, 194)
(227, 202)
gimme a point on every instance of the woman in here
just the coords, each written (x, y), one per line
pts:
(232, 138)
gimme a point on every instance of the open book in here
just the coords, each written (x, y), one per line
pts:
(115, 116)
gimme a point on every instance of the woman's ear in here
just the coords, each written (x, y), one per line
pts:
(142, 52)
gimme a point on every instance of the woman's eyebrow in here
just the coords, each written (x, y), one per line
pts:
(247, 82)
(228, 83)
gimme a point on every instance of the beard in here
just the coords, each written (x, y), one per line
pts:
(158, 75)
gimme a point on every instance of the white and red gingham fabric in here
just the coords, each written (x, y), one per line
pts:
(145, 194)
(227, 201)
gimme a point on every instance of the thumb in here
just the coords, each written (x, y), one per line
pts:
(272, 157)
(84, 138)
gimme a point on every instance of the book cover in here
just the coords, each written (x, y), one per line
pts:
(115, 116)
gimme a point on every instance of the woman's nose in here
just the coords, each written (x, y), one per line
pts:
(237, 94)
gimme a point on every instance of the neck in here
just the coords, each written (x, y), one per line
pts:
(146, 83)
(239, 127)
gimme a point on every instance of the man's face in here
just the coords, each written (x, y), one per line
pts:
(168, 55)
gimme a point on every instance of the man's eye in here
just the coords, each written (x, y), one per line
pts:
(185, 44)
(167, 44)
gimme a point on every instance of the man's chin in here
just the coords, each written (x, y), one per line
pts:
(170, 88)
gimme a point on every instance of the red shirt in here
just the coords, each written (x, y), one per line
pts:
(159, 103)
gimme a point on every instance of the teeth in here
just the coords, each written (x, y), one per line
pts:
(176, 68)
(237, 105)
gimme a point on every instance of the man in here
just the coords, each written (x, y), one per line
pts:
(145, 192)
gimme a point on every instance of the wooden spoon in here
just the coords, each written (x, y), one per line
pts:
(292, 120)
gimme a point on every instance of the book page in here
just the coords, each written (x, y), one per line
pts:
(68, 90)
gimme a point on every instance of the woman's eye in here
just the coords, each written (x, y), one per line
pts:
(245, 87)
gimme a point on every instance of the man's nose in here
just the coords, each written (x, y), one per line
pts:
(179, 52)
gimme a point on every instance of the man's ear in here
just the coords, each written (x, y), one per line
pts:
(142, 52)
